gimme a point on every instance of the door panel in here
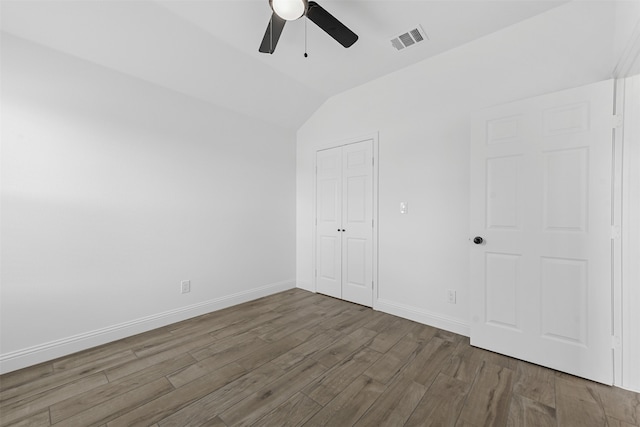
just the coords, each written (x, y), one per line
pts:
(503, 285)
(503, 192)
(565, 191)
(541, 199)
(356, 261)
(563, 302)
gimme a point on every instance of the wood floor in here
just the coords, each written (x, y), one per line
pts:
(297, 358)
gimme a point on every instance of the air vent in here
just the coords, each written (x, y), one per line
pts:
(410, 38)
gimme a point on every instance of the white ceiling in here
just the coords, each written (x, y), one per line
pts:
(208, 49)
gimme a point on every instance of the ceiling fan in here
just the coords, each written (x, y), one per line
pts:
(290, 10)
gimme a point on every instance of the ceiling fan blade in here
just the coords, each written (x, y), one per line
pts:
(331, 25)
(272, 35)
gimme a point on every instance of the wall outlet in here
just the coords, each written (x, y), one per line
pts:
(185, 286)
(451, 296)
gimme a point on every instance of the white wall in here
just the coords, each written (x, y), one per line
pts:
(114, 190)
(422, 115)
(627, 38)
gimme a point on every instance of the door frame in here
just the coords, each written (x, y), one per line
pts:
(340, 143)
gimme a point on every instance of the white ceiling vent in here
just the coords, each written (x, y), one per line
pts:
(409, 38)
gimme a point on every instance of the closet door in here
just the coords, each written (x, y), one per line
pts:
(329, 222)
(344, 222)
(357, 223)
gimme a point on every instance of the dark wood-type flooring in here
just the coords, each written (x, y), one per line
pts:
(297, 358)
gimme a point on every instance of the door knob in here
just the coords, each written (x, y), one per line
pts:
(478, 240)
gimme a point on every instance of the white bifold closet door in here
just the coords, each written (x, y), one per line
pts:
(344, 222)
(541, 197)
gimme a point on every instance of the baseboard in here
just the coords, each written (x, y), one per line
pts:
(306, 286)
(423, 316)
(52, 350)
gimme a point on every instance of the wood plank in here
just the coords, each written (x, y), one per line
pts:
(422, 334)
(434, 356)
(536, 383)
(349, 405)
(497, 359)
(89, 359)
(441, 404)
(274, 349)
(463, 423)
(98, 395)
(313, 345)
(294, 412)
(342, 348)
(361, 318)
(24, 376)
(59, 378)
(119, 405)
(343, 318)
(216, 361)
(171, 402)
(213, 404)
(231, 317)
(215, 422)
(288, 324)
(488, 401)
(138, 342)
(465, 362)
(612, 422)
(528, 412)
(331, 383)
(392, 362)
(395, 405)
(268, 398)
(23, 408)
(389, 336)
(620, 404)
(130, 367)
(40, 419)
(218, 346)
(578, 404)
(249, 324)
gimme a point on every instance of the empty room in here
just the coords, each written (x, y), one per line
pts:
(332, 212)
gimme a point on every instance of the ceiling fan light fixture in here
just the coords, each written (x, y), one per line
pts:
(289, 10)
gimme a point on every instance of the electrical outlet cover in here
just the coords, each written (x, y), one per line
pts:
(185, 286)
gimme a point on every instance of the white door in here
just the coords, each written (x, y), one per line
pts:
(329, 222)
(344, 232)
(541, 201)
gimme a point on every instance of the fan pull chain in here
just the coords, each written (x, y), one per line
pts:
(305, 37)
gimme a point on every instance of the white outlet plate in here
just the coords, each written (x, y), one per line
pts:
(185, 286)
(451, 296)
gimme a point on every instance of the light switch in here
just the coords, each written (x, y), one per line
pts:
(404, 207)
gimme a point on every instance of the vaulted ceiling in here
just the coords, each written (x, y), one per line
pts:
(208, 49)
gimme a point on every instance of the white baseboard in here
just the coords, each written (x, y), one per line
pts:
(306, 286)
(423, 316)
(52, 350)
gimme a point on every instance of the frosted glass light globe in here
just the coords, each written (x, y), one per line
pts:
(289, 10)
